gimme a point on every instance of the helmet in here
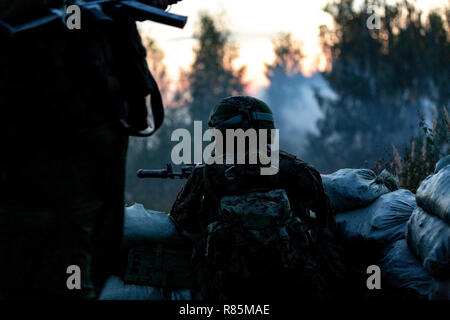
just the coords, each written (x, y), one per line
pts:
(241, 112)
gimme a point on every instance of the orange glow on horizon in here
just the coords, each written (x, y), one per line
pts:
(253, 25)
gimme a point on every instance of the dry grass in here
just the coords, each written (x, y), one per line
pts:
(419, 159)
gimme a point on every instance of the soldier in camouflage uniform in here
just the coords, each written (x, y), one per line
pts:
(63, 94)
(315, 268)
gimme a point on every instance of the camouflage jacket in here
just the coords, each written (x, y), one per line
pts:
(196, 206)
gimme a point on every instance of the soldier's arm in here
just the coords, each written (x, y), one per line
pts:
(324, 209)
(308, 183)
(17, 8)
(162, 4)
(186, 207)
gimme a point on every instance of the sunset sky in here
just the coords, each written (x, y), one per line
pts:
(253, 23)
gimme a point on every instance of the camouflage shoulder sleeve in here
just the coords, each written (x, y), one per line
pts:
(15, 8)
(186, 208)
(306, 180)
(324, 209)
(285, 154)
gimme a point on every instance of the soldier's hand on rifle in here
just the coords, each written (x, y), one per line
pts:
(162, 4)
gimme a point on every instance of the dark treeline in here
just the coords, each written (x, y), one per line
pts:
(383, 88)
(383, 78)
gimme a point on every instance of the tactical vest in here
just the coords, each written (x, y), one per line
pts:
(254, 238)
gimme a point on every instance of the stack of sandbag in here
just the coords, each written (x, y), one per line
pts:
(412, 239)
(379, 224)
(153, 249)
(420, 263)
(428, 229)
(373, 231)
(350, 189)
(375, 234)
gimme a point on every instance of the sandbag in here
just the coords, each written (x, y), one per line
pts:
(353, 226)
(440, 290)
(445, 161)
(433, 194)
(429, 238)
(350, 189)
(382, 222)
(161, 266)
(400, 269)
(390, 214)
(116, 289)
(143, 226)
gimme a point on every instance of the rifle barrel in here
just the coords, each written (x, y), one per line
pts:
(146, 12)
(137, 11)
(144, 173)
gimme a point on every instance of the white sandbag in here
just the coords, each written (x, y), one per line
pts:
(400, 269)
(382, 222)
(433, 194)
(429, 238)
(116, 289)
(142, 226)
(350, 189)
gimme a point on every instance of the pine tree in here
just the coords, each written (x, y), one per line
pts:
(212, 75)
(381, 78)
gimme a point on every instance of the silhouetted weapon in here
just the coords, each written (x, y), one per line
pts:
(168, 173)
(102, 10)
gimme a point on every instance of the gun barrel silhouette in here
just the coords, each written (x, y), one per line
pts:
(167, 173)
